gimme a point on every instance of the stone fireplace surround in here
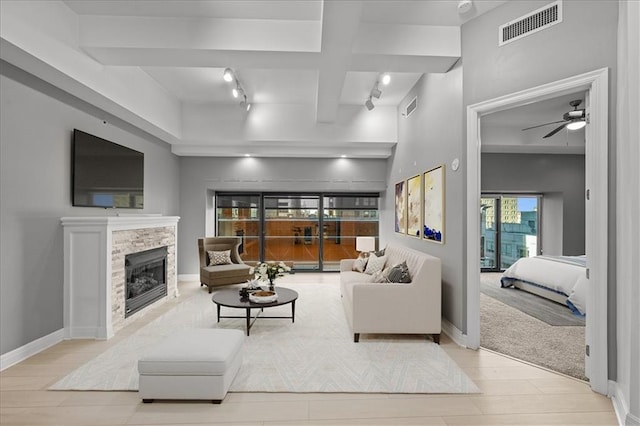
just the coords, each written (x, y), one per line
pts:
(94, 271)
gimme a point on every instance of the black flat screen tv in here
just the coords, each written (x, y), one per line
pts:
(105, 174)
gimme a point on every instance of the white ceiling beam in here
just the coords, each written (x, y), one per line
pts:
(411, 40)
(340, 21)
(147, 57)
(200, 33)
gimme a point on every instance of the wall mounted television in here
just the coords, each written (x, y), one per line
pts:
(105, 174)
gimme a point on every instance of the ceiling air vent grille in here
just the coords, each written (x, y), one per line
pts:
(530, 23)
(411, 106)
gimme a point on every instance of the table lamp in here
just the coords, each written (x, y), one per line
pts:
(365, 245)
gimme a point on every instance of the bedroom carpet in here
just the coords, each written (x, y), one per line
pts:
(511, 332)
(538, 307)
(314, 354)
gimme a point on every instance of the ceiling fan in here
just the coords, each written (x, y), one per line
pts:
(572, 120)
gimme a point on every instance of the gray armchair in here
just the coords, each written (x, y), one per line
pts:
(235, 272)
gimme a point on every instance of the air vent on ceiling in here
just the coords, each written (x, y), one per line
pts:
(530, 23)
(411, 106)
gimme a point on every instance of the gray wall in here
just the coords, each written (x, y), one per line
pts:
(431, 136)
(35, 190)
(491, 71)
(200, 177)
(564, 174)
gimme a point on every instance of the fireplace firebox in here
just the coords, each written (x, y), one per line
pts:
(146, 274)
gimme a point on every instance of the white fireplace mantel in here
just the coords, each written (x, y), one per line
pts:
(88, 247)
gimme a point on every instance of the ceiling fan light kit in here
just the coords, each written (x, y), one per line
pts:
(571, 120)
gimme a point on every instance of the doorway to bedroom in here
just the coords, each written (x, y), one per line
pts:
(595, 86)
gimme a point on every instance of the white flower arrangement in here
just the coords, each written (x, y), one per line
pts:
(269, 271)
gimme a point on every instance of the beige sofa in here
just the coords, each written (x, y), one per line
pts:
(411, 308)
(236, 272)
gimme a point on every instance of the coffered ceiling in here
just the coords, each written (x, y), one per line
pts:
(313, 61)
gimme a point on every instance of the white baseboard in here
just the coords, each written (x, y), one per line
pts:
(454, 333)
(188, 277)
(30, 349)
(620, 405)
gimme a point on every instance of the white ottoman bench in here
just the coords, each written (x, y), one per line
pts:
(191, 364)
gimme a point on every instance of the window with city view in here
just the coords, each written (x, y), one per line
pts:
(509, 229)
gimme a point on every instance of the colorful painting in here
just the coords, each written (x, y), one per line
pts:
(414, 198)
(401, 208)
(433, 226)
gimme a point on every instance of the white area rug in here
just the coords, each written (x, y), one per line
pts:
(314, 354)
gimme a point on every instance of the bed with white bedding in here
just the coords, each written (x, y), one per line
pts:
(559, 278)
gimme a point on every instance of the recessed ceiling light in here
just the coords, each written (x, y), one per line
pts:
(386, 78)
(343, 156)
(247, 155)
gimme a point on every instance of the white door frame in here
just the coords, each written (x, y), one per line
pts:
(595, 84)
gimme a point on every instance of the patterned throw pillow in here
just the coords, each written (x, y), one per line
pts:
(381, 276)
(375, 264)
(380, 252)
(219, 257)
(399, 273)
(360, 263)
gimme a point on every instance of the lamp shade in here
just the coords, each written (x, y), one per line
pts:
(365, 244)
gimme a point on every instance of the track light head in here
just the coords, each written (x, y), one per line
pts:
(369, 104)
(376, 93)
(228, 75)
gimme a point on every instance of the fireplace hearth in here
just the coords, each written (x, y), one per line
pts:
(146, 278)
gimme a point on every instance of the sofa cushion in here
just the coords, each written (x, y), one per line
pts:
(375, 264)
(354, 277)
(224, 271)
(219, 257)
(381, 276)
(399, 273)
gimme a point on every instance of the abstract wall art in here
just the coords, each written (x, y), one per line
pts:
(414, 198)
(401, 208)
(433, 224)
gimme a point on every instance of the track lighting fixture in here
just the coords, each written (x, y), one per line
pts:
(376, 92)
(228, 75)
(237, 91)
(369, 104)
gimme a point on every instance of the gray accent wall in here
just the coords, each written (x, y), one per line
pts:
(432, 136)
(35, 191)
(491, 71)
(552, 175)
(201, 177)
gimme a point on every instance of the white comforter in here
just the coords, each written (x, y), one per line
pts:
(561, 274)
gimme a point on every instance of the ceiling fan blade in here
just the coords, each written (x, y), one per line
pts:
(545, 124)
(554, 131)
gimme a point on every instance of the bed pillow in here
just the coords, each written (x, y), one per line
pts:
(399, 273)
(375, 264)
(219, 257)
(360, 264)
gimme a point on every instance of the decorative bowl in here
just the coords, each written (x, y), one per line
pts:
(263, 296)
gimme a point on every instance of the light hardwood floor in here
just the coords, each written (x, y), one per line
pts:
(513, 393)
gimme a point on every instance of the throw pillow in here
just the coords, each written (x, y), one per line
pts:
(399, 273)
(219, 257)
(360, 263)
(381, 276)
(375, 264)
(380, 252)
